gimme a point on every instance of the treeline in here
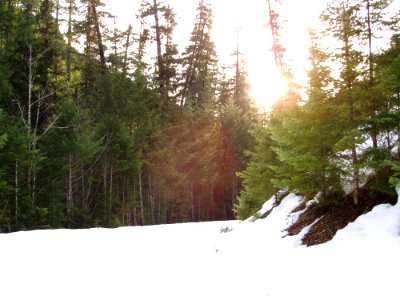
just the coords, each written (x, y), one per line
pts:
(346, 131)
(95, 133)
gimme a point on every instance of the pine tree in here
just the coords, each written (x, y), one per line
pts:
(388, 78)
(305, 138)
(237, 116)
(258, 175)
(163, 25)
(199, 62)
(343, 25)
(375, 15)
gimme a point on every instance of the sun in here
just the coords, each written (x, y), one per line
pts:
(247, 26)
(267, 87)
(255, 43)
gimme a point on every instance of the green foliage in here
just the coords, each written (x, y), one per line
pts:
(199, 62)
(3, 140)
(258, 176)
(314, 146)
(395, 179)
(99, 138)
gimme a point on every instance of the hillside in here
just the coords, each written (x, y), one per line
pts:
(253, 259)
(328, 219)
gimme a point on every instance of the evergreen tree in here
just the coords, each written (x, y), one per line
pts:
(199, 62)
(258, 175)
(163, 25)
(375, 15)
(388, 78)
(183, 166)
(306, 136)
(343, 23)
(238, 117)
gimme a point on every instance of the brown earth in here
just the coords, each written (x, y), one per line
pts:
(336, 216)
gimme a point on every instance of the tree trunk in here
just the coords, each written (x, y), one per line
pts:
(134, 199)
(151, 200)
(83, 184)
(356, 178)
(275, 37)
(69, 41)
(141, 197)
(192, 200)
(234, 193)
(109, 213)
(29, 125)
(371, 75)
(70, 197)
(99, 38)
(30, 86)
(16, 192)
(46, 40)
(125, 68)
(349, 88)
(105, 192)
(57, 15)
(398, 142)
(160, 61)
(124, 215)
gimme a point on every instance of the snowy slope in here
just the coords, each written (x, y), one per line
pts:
(198, 261)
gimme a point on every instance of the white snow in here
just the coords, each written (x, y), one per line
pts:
(215, 260)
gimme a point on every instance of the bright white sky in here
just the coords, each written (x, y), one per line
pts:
(251, 16)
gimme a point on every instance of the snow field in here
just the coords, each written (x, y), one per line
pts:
(198, 261)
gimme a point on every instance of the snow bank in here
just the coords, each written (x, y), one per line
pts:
(361, 262)
(216, 260)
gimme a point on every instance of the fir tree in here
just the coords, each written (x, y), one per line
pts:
(199, 62)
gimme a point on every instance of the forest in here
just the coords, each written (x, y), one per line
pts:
(102, 126)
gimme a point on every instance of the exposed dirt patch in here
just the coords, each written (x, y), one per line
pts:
(306, 218)
(336, 216)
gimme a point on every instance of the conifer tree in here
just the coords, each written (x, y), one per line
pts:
(343, 25)
(238, 117)
(306, 137)
(199, 62)
(163, 25)
(258, 176)
(374, 13)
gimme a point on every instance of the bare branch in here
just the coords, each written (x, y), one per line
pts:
(51, 125)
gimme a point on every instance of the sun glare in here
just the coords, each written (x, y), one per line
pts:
(267, 88)
(266, 84)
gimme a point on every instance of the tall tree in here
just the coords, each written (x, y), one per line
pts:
(344, 26)
(377, 21)
(163, 25)
(275, 26)
(238, 117)
(199, 61)
(258, 176)
(307, 153)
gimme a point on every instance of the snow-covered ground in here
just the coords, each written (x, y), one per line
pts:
(251, 260)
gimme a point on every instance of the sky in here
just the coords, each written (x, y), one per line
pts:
(255, 40)
(215, 260)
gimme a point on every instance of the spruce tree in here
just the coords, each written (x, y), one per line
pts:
(258, 176)
(162, 24)
(199, 62)
(343, 25)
